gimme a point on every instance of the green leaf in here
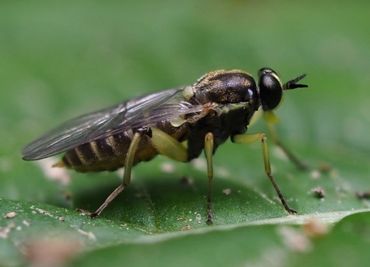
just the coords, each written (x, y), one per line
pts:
(347, 245)
(262, 245)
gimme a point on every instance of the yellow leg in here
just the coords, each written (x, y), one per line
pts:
(208, 150)
(250, 138)
(129, 161)
(168, 146)
(271, 120)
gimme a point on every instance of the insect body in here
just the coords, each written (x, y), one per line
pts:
(179, 123)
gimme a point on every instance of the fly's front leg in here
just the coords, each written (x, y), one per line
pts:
(271, 120)
(129, 161)
(250, 138)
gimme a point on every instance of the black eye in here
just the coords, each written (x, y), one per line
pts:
(270, 88)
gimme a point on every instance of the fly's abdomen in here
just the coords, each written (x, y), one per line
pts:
(106, 154)
(109, 154)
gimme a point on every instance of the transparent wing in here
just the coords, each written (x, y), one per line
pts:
(141, 112)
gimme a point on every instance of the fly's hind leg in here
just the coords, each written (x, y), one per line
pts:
(250, 138)
(129, 161)
(271, 120)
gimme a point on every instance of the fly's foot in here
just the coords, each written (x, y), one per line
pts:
(93, 215)
(291, 211)
(87, 213)
(209, 220)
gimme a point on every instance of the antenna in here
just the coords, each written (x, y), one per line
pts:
(292, 84)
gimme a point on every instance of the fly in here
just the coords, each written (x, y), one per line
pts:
(178, 123)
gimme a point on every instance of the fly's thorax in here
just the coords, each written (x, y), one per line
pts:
(225, 87)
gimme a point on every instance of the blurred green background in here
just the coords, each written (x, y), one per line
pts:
(59, 59)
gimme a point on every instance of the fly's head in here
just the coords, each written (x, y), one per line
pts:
(271, 88)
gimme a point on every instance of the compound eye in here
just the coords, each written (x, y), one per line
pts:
(271, 90)
(265, 71)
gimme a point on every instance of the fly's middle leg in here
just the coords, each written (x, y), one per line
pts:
(129, 161)
(250, 138)
(170, 147)
(208, 151)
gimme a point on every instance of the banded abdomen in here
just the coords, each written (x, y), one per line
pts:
(108, 154)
